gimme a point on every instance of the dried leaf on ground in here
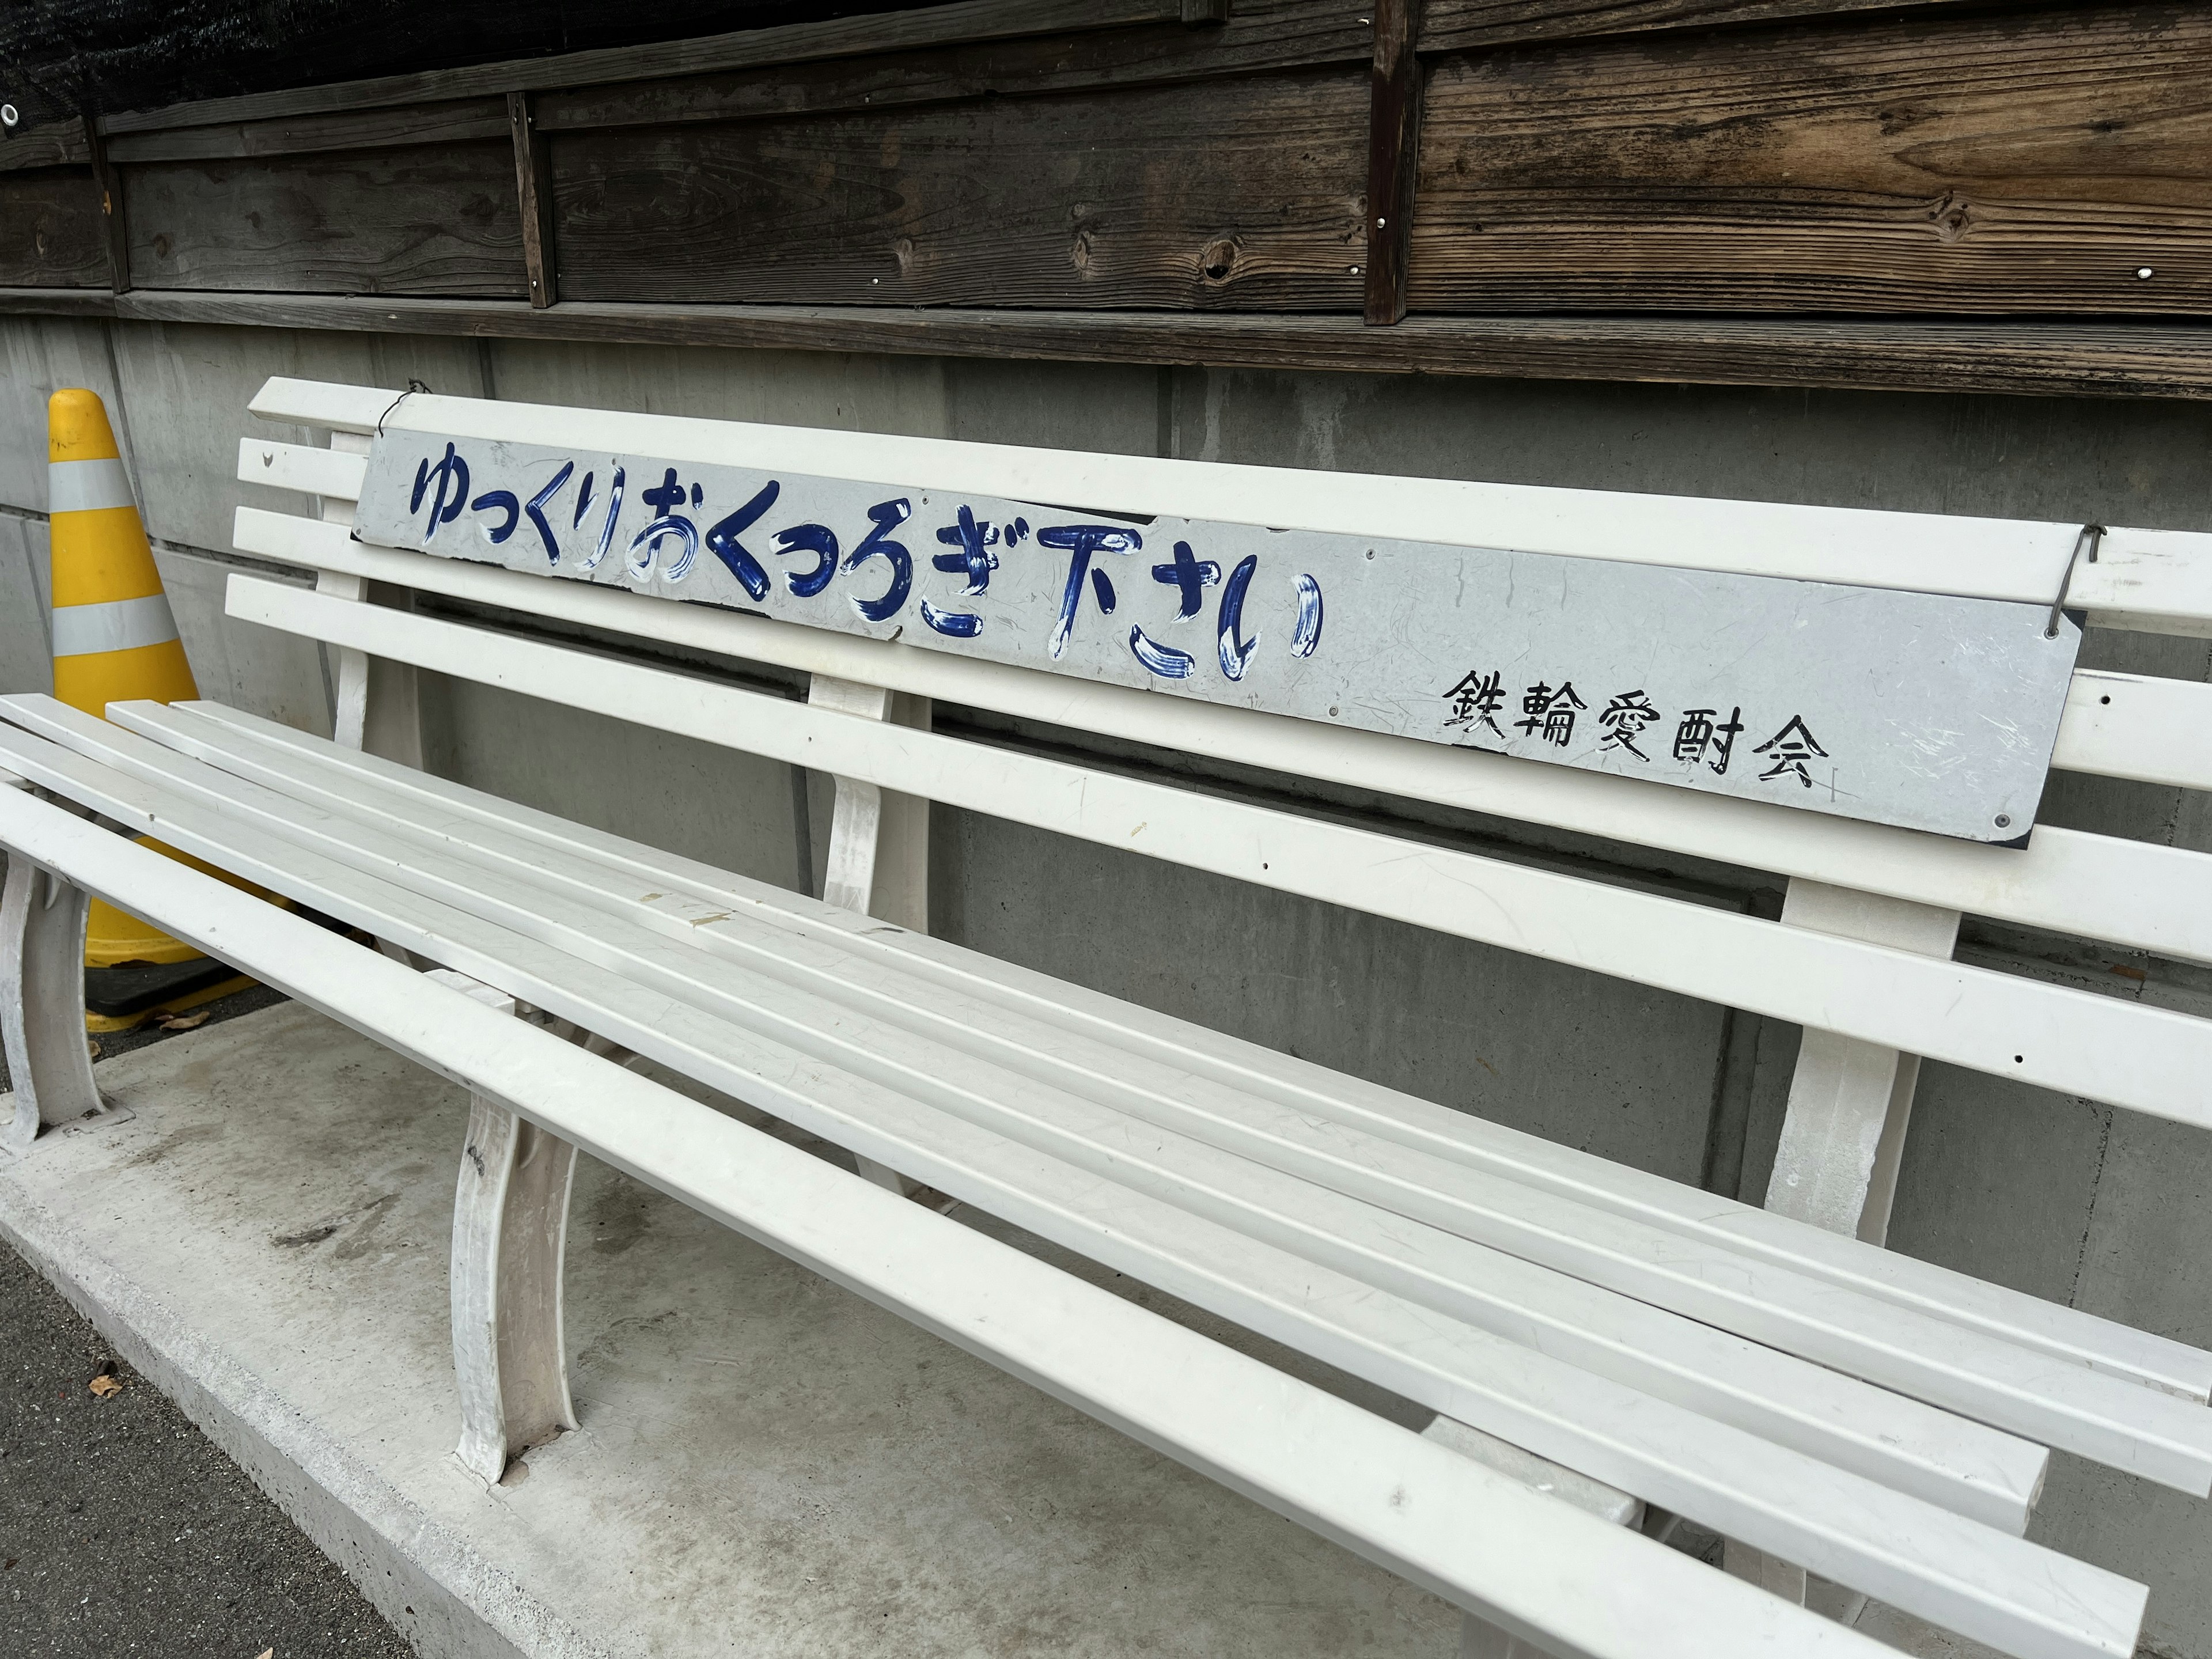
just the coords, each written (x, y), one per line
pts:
(191, 1022)
(104, 1385)
(266, 1653)
(92, 1047)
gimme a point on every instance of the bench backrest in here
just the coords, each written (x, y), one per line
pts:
(1861, 956)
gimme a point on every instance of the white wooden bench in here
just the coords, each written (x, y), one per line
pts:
(1613, 1338)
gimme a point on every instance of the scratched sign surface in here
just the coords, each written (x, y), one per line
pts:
(1929, 712)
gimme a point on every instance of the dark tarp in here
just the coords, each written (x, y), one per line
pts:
(59, 57)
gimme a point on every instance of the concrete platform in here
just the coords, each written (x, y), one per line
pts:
(767, 1465)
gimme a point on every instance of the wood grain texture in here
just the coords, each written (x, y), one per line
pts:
(54, 236)
(426, 219)
(792, 43)
(39, 301)
(115, 223)
(533, 195)
(2029, 359)
(306, 135)
(1259, 35)
(1241, 194)
(2026, 164)
(1463, 24)
(1394, 137)
(58, 144)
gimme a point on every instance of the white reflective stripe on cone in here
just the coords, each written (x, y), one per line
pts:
(85, 486)
(119, 625)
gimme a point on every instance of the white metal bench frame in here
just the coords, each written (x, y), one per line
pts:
(1865, 904)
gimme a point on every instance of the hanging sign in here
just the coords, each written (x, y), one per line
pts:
(1928, 711)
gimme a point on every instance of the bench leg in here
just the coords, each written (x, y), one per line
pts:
(1850, 1101)
(510, 1232)
(878, 840)
(878, 844)
(375, 704)
(1769, 1572)
(1843, 1138)
(42, 1002)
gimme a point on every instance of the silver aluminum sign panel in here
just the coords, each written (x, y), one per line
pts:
(1927, 711)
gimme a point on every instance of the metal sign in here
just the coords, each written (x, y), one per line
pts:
(1928, 711)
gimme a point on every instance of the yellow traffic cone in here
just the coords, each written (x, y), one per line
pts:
(115, 640)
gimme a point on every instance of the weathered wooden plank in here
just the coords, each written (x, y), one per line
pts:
(790, 43)
(1393, 134)
(2049, 162)
(115, 225)
(304, 135)
(1245, 194)
(534, 193)
(58, 144)
(1462, 24)
(56, 236)
(422, 220)
(39, 301)
(1259, 35)
(2025, 358)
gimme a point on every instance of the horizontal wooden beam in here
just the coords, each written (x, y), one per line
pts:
(2043, 161)
(1253, 41)
(1238, 195)
(2084, 360)
(56, 302)
(58, 144)
(792, 43)
(1466, 25)
(1293, 37)
(444, 122)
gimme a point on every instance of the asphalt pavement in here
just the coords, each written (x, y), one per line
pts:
(124, 1530)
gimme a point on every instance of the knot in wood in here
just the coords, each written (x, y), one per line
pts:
(1218, 262)
(1952, 217)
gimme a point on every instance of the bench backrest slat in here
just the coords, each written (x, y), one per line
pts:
(2074, 1041)
(2163, 580)
(2125, 727)
(2131, 893)
(2137, 726)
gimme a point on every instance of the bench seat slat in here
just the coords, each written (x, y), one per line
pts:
(1964, 1371)
(2002, 1590)
(2146, 1059)
(1534, 1566)
(2146, 897)
(1994, 558)
(962, 1052)
(1192, 1054)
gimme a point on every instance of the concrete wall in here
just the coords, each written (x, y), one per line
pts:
(2057, 1196)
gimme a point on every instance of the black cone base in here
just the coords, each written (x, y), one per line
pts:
(132, 989)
